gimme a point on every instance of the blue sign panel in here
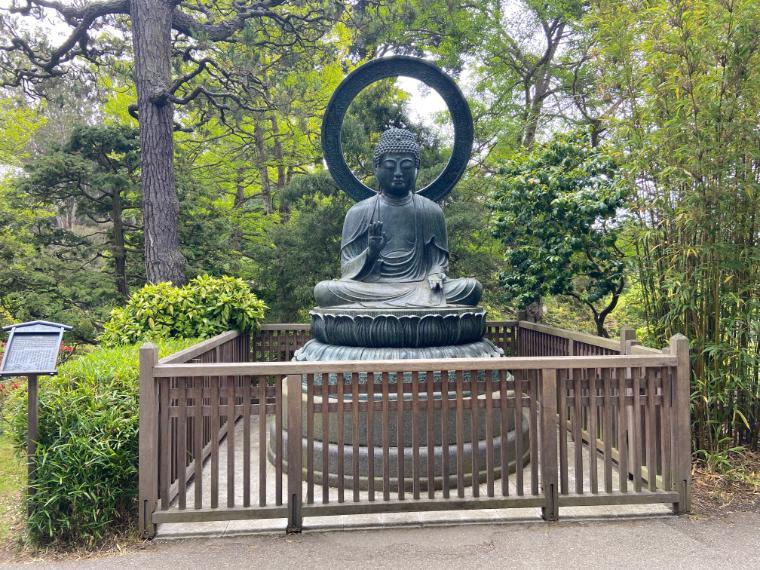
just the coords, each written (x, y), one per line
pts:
(32, 348)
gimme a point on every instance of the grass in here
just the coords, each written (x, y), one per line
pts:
(12, 484)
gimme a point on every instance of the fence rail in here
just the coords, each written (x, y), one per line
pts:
(329, 438)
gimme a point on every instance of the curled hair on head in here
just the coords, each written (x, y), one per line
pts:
(397, 140)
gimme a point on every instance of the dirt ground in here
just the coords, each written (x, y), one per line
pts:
(737, 490)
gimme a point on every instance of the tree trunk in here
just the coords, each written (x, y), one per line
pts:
(151, 35)
(280, 162)
(236, 237)
(261, 158)
(600, 330)
(119, 252)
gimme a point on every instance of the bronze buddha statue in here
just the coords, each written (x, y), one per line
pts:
(394, 248)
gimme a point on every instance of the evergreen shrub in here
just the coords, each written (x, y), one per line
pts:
(206, 306)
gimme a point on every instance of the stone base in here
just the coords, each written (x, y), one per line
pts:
(315, 350)
(434, 430)
(393, 459)
(398, 328)
(382, 334)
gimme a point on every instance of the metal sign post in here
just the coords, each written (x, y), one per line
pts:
(31, 351)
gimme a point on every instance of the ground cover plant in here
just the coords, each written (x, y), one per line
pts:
(12, 482)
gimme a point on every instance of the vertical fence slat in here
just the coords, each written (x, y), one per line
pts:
(341, 394)
(534, 459)
(666, 410)
(504, 433)
(355, 435)
(577, 437)
(165, 474)
(198, 442)
(445, 447)
(231, 385)
(563, 433)
(489, 435)
(310, 439)
(651, 426)
(400, 432)
(325, 381)
(181, 449)
(622, 429)
(215, 426)
(246, 441)
(518, 410)
(460, 434)
(429, 408)
(386, 437)
(607, 430)
(278, 439)
(415, 436)
(635, 440)
(592, 428)
(474, 429)
(262, 441)
(370, 436)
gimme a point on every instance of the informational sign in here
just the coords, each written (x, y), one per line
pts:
(32, 348)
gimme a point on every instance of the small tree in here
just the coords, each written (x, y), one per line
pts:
(94, 175)
(556, 214)
(176, 47)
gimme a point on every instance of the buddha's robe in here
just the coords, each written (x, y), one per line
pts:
(416, 247)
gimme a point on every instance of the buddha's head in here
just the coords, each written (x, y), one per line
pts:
(397, 158)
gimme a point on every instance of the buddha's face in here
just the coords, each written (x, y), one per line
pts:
(396, 173)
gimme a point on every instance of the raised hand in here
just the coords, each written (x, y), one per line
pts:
(377, 239)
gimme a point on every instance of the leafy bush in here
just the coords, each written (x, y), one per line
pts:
(86, 457)
(204, 307)
(5, 317)
(557, 217)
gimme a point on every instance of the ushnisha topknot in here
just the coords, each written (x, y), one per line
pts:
(397, 140)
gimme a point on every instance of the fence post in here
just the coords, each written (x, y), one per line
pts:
(518, 335)
(550, 511)
(295, 449)
(627, 340)
(148, 441)
(679, 347)
(627, 334)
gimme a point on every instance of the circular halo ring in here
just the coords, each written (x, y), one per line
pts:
(395, 66)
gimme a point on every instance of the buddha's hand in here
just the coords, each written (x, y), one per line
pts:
(436, 281)
(377, 238)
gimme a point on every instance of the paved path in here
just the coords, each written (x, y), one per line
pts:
(664, 542)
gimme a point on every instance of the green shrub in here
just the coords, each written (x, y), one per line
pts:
(204, 307)
(86, 457)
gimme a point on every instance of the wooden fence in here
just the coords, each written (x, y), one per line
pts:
(607, 428)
